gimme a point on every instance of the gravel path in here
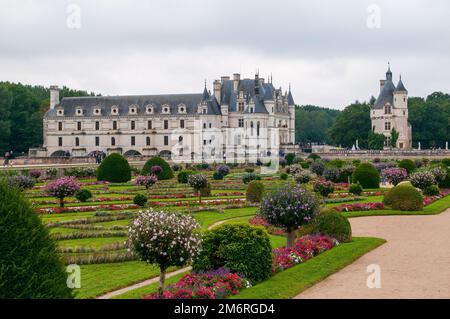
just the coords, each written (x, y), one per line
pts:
(414, 263)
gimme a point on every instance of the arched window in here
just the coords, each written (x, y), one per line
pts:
(113, 141)
(387, 109)
(148, 140)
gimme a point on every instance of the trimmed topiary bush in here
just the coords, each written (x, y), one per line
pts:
(407, 164)
(140, 200)
(183, 176)
(333, 224)
(115, 169)
(30, 267)
(83, 195)
(355, 189)
(404, 197)
(241, 248)
(255, 191)
(289, 158)
(284, 176)
(367, 175)
(217, 176)
(166, 172)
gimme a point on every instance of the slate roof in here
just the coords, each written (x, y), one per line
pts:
(191, 101)
(387, 93)
(400, 87)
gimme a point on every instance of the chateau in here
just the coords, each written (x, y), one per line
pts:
(241, 120)
(390, 112)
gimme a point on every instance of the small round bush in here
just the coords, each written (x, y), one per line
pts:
(432, 190)
(83, 195)
(284, 176)
(115, 169)
(355, 189)
(217, 176)
(223, 170)
(317, 168)
(324, 188)
(140, 200)
(331, 174)
(183, 176)
(303, 177)
(248, 177)
(30, 267)
(255, 191)
(22, 182)
(407, 164)
(249, 170)
(367, 175)
(166, 172)
(241, 248)
(333, 224)
(176, 167)
(422, 179)
(35, 174)
(314, 157)
(404, 197)
(289, 158)
(395, 175)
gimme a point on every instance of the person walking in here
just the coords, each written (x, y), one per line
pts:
(6, 159)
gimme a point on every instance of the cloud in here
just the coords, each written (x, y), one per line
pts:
(324, 48)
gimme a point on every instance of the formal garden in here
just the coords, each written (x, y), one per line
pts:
(232, 231)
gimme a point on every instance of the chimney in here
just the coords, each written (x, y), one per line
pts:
(236, 78)
(224, 78)
(382, 82)
(54, 96)
(217, 87)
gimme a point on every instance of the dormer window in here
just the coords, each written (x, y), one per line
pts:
(60, 112)
(149, 109)
(387, 109)
(166, 109)
(97, 111)
(132, 109)
(79, 111)
(115, 110)
(182, 108)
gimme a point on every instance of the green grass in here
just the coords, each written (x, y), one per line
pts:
(371, 199)
(291, 282)
(99, 279)
(90, 242)
(206, 219)
(433, 209)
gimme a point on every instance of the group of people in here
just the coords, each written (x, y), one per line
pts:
(8, 159)
(99, 156)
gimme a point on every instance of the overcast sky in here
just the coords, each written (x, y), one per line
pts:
(332, 52)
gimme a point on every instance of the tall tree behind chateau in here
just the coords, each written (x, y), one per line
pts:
(352, 124)
(22, 108)
(312, 123)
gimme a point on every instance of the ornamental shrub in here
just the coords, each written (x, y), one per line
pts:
(223, 170)
(183, 176)
(289, 207)
(242, 248)
(146, 180)
(140, 200)
(422, 179)
(314, 157)
(255, 191)
(324, 188)
(21, 182)
(156, 170)
(407, 164)
(294, 169)
(284, 176)
(367, 175)
(446, 182)
(333, 224)
(317, 167)
(439, 174)
(248, 177)
(217, 176)
(303, 177)
(62, 188)
(282, 162)
(404, 197)
(355, 189)
(51, 173)
(432, 190)
(249, 170)
(446, 162)
(83, 195)
(206, 191)
(30, 267)
(331, 174)
(166, 172)
(395, 175)
(198, 182)
(176, 167)
(336, 163)
(115, 169)
(345, 173)
(165, 239)
(289, 158)
(35, 174)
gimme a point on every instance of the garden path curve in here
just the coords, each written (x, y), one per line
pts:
(414, 263)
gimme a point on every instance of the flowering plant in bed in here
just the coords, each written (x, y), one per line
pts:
(146, 180)
(304, 248)
(63, 187)
(259, 221)
(359, 207)
(394, 175)
(215, 284)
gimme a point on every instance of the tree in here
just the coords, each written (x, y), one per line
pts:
(312, 123)
(5, 124)
(352, 124)
(394, 137)
(376, 141)
(166, 239)
(289, 207)
(62, 188)
(198, 182)
(30, 267)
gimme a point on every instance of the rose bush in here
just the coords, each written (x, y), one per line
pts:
(63, 187)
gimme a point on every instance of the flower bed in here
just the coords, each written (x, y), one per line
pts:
(259, 221)
(305, 248)
(214, 202)
(217, 284)
(359, 207)
(427, 200)
(79, 209)
(345, 195)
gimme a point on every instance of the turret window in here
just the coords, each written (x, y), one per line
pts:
(387, 109)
